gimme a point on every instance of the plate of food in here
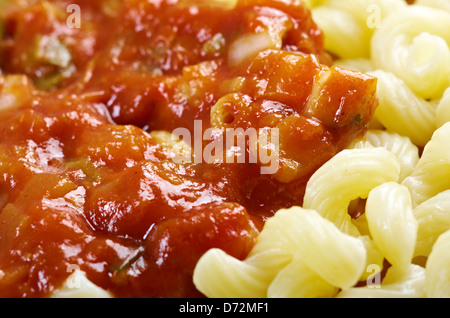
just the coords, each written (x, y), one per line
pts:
(224, 148)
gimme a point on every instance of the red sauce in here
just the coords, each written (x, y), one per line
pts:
(82, 181)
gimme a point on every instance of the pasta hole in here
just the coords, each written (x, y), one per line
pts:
(228, 119)
(420, 260)
(357, 208)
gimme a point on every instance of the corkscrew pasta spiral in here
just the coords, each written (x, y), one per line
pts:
(301, 237)
(414, 45)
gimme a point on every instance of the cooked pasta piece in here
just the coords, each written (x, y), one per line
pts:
(345, 36)
(349, 175)
(361, 224)
(432, 173)
(374, 260)
(306, 284)
(443, 109)
(391, 222)
(433, 217)
(396, 284)
(180, 150)
(363, 65)
(219, 275)
(78, 286)
(405, 151)
(414, 45)
(362, 8)
(349, 24)
(438, 268)
(15, 91)
(401, 111)
(438, 4)
(336, 257)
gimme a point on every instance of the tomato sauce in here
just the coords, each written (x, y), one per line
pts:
(85, 179)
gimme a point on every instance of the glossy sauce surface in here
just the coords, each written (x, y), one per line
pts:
(86, 178)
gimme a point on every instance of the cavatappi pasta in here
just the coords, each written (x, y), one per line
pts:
(398, 244)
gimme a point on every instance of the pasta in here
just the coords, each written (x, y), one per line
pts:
(443, 109)
(359, 171)
(349, 25)
(78, 286)
(392, 223)
(348, 38)
(433, 218)
(431, 175)
(223, 276)
(302, 235)
(438, 4)
(401, 166)
(404, 150)
(401, 111)
(438, 268)
(414, 45)
(409, 283)
(374, 260)
(310, 284)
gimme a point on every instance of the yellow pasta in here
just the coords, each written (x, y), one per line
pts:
(443, 109)
(349, 175)
(218, 275)
(401, 111)
(361, 224)
(363, 65)
(78, 286)
(438, 268)
(363, 8)
(392, 223)
(404, 150)
(432, 173)
(374, 259)
(409, 283)
(414, 45)
(438, 4)
(307, 284)
(433, 217)
(349, 24)
(179, 150)
(337, 258)
(345, 37)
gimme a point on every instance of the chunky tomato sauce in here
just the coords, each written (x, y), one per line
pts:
(86, 179)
